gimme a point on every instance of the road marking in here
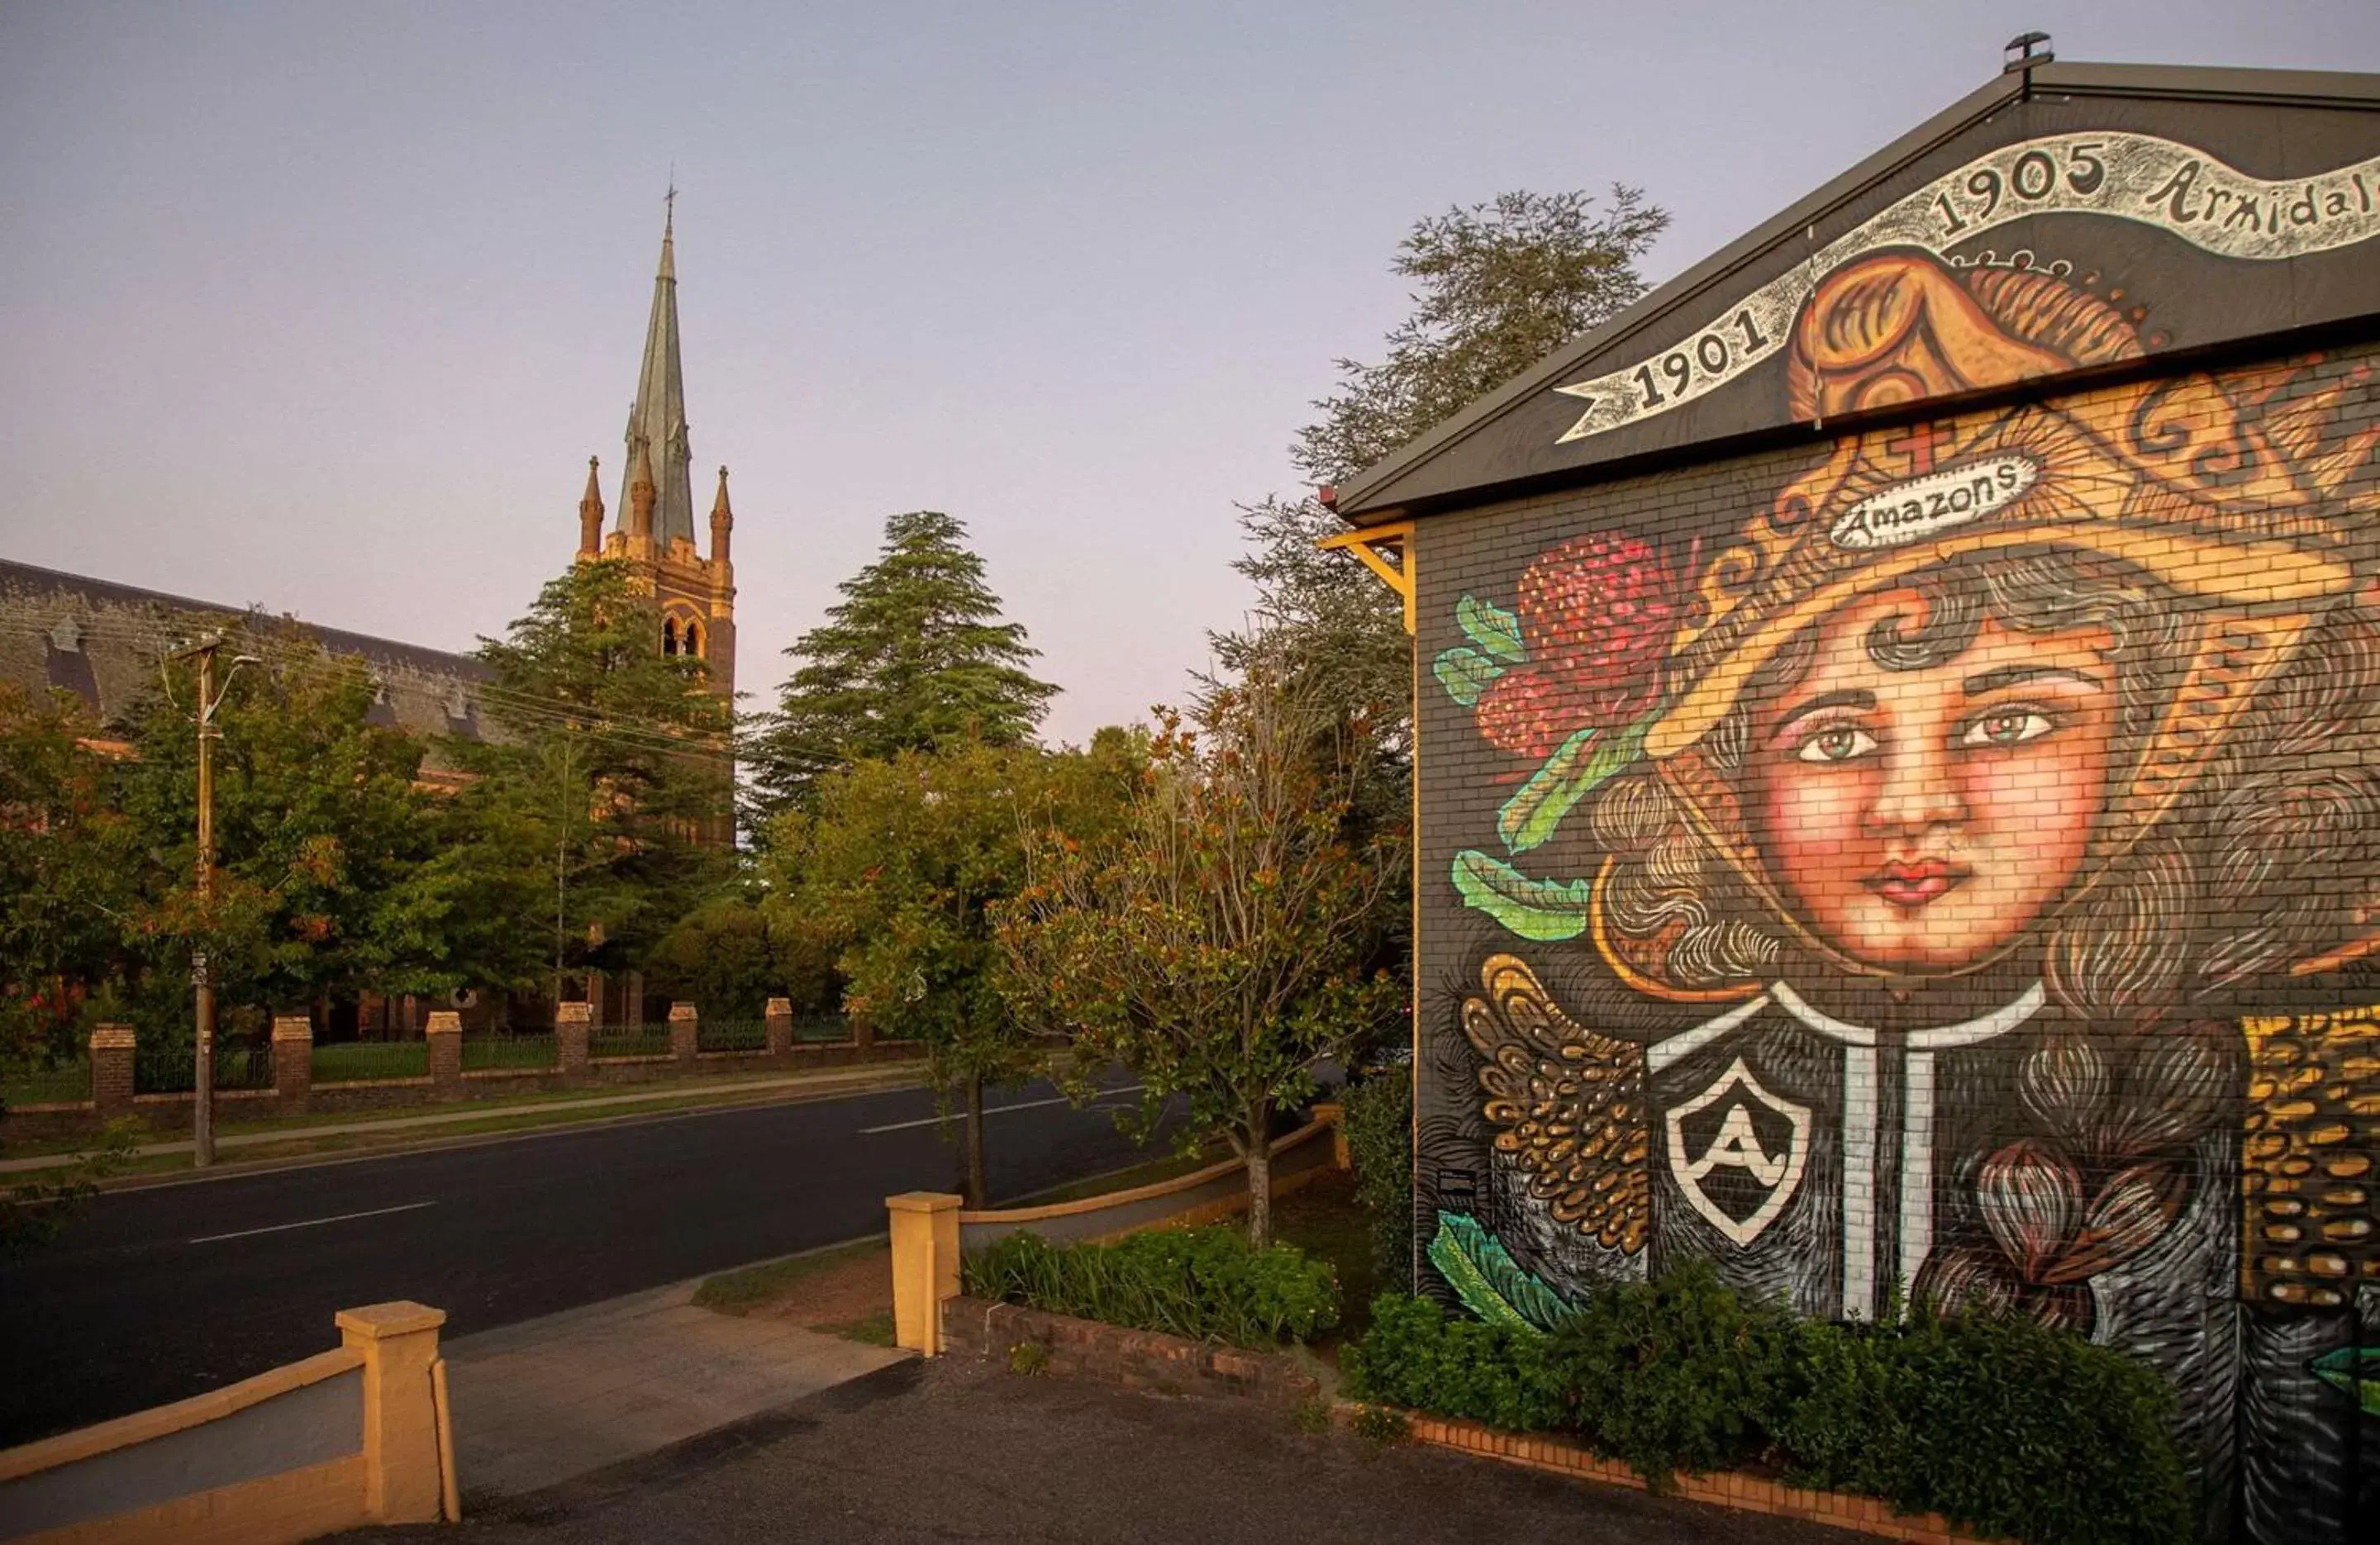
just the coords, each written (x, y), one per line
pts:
(311, 1223)
(999, 1110)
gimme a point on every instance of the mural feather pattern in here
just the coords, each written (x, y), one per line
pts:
(1566, 1103)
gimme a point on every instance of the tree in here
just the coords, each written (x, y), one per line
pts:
(69, 867)
(1501, 285)
(914, 658)
(723, 958)
(1218, 943)
(610, 760)
(321, 827)
(898, 862)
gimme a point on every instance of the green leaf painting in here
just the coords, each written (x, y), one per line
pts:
(1465, 673)
(1531, 817)
(1492, 1284)
(1544, 911)
(1492, 628)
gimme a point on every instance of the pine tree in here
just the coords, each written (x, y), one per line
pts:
(914, 658)
(611, 764)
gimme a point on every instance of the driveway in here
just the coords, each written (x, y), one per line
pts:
(958, 1451)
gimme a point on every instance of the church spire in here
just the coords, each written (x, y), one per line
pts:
(590, 516)
(659, 417)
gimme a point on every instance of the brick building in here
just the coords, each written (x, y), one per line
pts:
(1899, 762)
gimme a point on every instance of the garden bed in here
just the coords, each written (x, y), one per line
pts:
(1135, 1359)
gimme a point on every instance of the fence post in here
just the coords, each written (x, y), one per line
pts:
(685, 1032)
(862, 1035)
(780, 1015)
(445, 1033)
(399, 1342)
(925, 1228)
(1335, 1113)
(111, 1071)
(293, 1061)
(573, 1029)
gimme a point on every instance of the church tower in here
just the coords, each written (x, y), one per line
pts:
(694, 596)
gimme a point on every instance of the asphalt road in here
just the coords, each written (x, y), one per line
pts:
(164, 1292)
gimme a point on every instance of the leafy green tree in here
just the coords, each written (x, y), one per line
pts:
(1217, 944)
(321, 827)
(896, 865)
(723, 959)
(610, 760)
(913, 656)
(1500, 286)
(69, 863)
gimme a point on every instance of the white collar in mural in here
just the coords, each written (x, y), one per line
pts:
(1737, 1146)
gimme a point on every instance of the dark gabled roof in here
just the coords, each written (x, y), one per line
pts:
(1512, 440)
(28, 580)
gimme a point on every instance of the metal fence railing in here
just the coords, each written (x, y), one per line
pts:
(617, 1041)
(821, 1027)
(362, 1061)
(166, 1069)
(61, 1083)
(495, 1049)
(731, 1035)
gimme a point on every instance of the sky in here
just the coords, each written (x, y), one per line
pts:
(324, 305)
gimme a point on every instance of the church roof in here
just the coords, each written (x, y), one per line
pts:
(2211, 206)
(658, 419)
(102, 641)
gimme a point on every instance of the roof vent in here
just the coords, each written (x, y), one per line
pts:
(2021, 55)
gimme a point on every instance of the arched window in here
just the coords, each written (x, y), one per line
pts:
(693, 639)
(669, 636)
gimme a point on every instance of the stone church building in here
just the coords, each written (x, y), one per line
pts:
(103, 641)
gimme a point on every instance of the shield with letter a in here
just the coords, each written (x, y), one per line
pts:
(1739, 1152)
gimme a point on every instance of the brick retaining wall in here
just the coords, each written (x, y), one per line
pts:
(1136, 1359)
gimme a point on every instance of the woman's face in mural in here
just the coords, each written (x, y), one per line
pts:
(1920, 818)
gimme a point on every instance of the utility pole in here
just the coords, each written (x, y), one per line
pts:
(202, 1118)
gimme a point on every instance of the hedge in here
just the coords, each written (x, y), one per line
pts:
(1206, 1284)
(2005, 1425)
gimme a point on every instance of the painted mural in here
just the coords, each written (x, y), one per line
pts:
(1957, 878)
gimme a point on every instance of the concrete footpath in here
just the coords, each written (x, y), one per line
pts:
(595, 1107)
(547, 1400)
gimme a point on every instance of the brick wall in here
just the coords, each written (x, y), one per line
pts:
(1136, 1359)
(1963, 891)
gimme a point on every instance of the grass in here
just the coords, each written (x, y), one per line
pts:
(869, 1330)
(741, 1291)
(1170, 1167)
(1322, 1219)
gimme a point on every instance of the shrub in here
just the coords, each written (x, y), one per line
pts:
(1208, 1284)
(2004, 1426)
(1414, 1355)
(1380, 1144)
(1681, 1374)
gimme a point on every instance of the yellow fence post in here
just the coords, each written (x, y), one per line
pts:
(399, 1342)
(925, 1226)
(1335, 1113)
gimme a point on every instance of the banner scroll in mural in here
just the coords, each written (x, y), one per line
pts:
(2139, 177)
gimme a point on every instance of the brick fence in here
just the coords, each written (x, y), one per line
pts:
(294, 1090)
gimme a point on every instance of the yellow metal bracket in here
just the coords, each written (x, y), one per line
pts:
(1387, 550)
